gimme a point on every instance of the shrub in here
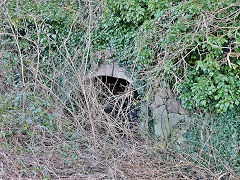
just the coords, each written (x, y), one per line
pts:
(24, 111)
(215, 141)
(187, 43)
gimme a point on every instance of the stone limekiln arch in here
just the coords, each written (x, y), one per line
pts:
(109, 67)
(167, 111)
(112, 70)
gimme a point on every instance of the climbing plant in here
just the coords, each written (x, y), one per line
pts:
(46, 46)
(217, 135)
(193, 45)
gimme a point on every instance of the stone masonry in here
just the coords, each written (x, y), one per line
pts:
(167, 112)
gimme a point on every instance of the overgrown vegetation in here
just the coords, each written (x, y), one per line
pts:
(215, 140)
(194, 45)
(52, 123)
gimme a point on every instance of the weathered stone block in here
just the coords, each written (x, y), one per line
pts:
(157, 112)
(172, 105)
(159, 101)
(165, 123)
(105, 70)
(161, 125)
(163, 93)
(174, 119)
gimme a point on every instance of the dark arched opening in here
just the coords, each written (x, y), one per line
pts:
(118, 97)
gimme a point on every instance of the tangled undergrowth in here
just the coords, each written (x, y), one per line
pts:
(53, 124)
(39, 141)
(43, 138)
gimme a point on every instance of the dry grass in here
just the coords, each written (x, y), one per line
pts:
(91, 144)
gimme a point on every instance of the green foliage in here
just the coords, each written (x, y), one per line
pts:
(210, 82)
(121, 26)
(23, 112)
(216, 140)
(211, 86)
(142, 30)
(48, 34)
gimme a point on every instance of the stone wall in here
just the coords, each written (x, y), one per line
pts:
(167, 112)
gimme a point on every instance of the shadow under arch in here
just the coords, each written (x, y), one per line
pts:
(118, 97)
